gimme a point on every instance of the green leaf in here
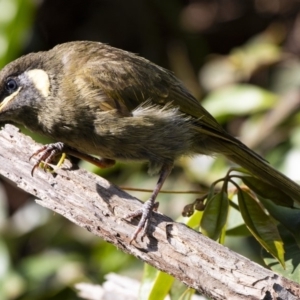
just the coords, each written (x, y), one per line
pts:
(292, 258)
(268, 191)
(261, 225)
(215, 215)
(194, 220)
(240, 230)
(288, 217)
(181, 291)
(155, 284)
(235, 225)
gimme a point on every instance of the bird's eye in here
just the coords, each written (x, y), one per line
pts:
(11, 85)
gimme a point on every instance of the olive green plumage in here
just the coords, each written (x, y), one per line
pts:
(117, 105)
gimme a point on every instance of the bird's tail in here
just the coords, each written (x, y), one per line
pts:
(248, 159)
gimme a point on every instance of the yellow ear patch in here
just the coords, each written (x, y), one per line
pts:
(41, 81)
(9, 98)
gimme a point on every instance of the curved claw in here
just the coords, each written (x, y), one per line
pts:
(51, 150)
(145, 212)
(48, 152)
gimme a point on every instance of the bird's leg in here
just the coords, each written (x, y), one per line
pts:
(48, 152)
(150, 205)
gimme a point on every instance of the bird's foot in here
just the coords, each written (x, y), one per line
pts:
(145, 212)
(48, 152)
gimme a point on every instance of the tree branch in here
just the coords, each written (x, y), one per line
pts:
(95, 204)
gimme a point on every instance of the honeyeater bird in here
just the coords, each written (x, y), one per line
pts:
(95, 99)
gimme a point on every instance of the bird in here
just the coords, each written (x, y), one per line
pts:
(94, 99)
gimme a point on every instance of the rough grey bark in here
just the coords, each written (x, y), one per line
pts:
(97, 205)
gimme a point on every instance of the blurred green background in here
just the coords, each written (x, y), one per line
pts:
(240, 58)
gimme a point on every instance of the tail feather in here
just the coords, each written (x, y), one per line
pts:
(249, 160)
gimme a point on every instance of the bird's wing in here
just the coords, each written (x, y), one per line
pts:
(128, 81)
